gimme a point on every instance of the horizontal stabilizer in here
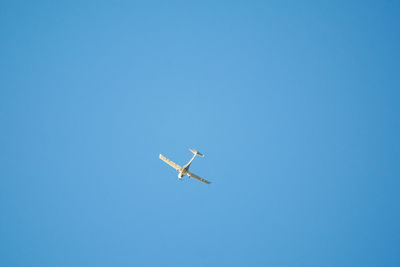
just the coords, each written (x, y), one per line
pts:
(196, 152)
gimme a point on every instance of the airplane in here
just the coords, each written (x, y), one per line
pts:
(185, 169)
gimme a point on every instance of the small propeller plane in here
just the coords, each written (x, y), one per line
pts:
(185, 169)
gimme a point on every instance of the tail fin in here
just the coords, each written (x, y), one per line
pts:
(196, 152)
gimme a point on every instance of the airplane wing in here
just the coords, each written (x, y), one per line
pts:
(170, 163)
(190, 174)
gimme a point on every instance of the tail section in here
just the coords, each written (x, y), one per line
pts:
(196, 152)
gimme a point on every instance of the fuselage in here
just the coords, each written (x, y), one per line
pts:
(183, 171)
(185, 168)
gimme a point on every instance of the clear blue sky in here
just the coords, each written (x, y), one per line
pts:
(295, 105)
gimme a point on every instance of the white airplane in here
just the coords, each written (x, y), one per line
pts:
(185, 169)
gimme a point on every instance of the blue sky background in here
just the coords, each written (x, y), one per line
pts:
(295, 105)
